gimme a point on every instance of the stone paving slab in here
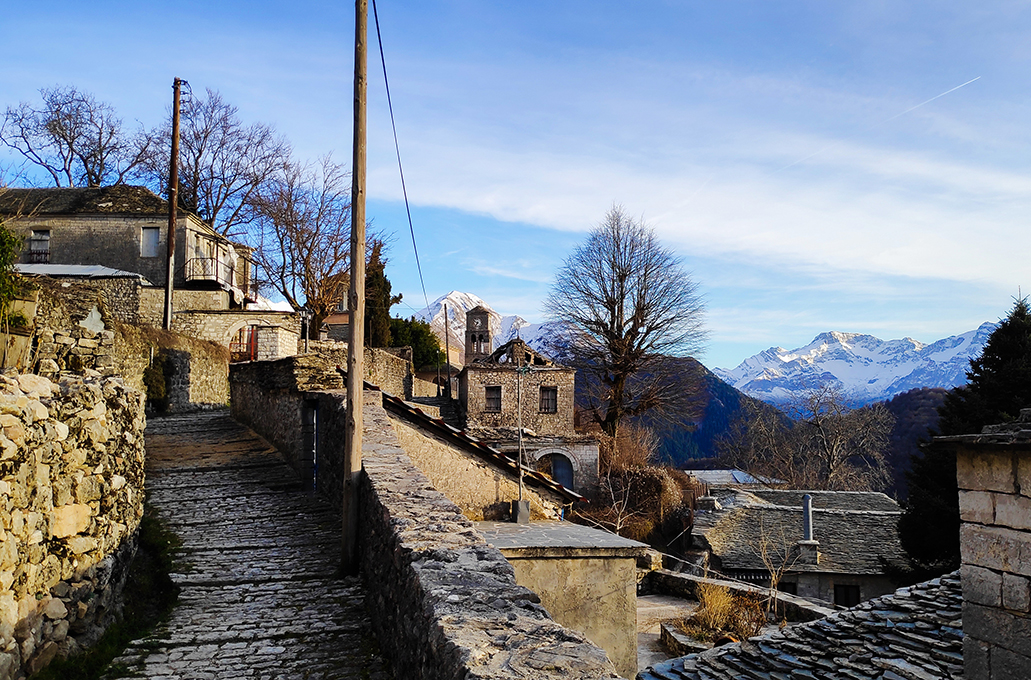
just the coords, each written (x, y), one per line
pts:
(260, 597)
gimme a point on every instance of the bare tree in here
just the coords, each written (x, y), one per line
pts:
(223, 163)
(827, 444)
(628, 305)
(76, 139)
(778, 554)
(302, 232)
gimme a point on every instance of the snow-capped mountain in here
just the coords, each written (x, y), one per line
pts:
(866, 368)
(503, 328)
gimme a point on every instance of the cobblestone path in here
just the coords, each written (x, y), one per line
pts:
(260, 597)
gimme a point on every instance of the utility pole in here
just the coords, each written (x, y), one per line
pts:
(356, 300)
(447, 353)
(173, 201)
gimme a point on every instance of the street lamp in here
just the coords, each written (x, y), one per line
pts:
(306, 317)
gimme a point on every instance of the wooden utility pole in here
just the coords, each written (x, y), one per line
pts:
(173, 201)
(356, 301)
(447, 353)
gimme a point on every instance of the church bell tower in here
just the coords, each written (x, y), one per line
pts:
(478, 342)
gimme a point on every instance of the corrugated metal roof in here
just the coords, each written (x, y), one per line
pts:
(91, 271)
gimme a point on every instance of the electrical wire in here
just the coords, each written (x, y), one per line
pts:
(397, 148)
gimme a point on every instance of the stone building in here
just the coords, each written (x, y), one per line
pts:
(119, 235)
(514, 383)
(841, 560)
(994, 479)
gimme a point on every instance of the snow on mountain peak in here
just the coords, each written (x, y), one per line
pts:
(865, 367)
(503, 328)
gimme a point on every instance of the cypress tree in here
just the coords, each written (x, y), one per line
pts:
(378, 300)
(999, 386)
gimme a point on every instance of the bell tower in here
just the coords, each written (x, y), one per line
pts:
(478, 342)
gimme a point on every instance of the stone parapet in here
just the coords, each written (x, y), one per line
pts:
(445, 603)
(71, 485)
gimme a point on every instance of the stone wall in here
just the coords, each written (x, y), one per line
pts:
(445, 603)
(77, 330)
(391, 373)
(71, 485)
(474, 380)
(221, 326)
(994, 478)
(481, 490)
(580, 450)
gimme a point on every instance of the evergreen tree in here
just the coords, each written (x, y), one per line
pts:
(999, 386)
(378, 300)
(419, 336)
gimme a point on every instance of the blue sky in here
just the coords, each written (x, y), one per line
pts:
(774, 146)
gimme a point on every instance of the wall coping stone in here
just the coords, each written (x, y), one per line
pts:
(445, 602)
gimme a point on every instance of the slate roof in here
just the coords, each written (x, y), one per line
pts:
(724, 477)
(914, 634)
(851, 541)
(82, 200)
(829, 500)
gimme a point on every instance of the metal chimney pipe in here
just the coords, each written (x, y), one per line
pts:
(807, 517)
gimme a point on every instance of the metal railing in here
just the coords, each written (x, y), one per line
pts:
(38, 257)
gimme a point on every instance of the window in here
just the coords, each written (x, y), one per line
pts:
(549, 399)
(788, 587)
(39, 247)
(493, 402)
(846, 596)
(150, 240)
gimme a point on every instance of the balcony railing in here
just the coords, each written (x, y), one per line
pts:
(222, 273)
(38, 257)
(210, 269)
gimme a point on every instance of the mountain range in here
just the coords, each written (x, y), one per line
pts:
(503, 328)
(865, 368)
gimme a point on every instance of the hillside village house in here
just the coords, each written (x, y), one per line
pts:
(494, 384)
(121, 232)
(842, 559)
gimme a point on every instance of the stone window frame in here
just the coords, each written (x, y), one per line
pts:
(548, 399)
(492, 399)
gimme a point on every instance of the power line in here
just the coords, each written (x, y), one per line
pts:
(397, 148)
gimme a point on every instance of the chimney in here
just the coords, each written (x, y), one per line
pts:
(808, 547)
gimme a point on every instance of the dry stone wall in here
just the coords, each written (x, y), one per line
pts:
(391, 372)
(80, 327)
(71, 487)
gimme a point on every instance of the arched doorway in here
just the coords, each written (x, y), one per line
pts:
(559, 467)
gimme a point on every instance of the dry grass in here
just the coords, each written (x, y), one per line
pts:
(722, 612)
(716, 606)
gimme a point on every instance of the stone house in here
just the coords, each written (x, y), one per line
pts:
(975, 623)
(515, 385)
(851, 535)
(121, 233)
